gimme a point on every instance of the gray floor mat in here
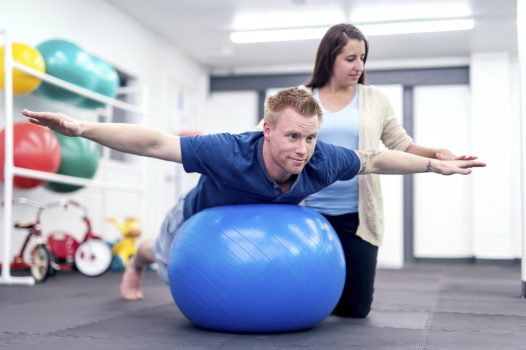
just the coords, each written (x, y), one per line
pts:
(423, 306)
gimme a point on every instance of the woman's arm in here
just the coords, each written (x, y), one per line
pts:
(437, 153)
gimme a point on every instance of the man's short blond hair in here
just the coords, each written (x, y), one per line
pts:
(296, 98)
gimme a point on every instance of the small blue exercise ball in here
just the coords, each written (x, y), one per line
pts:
(261, 268)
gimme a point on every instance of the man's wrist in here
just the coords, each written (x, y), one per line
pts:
(429, 167)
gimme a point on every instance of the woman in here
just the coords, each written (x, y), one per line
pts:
(358, 117)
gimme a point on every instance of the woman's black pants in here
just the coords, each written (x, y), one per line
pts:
(360, 261)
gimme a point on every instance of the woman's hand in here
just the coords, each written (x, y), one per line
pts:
(445, 154)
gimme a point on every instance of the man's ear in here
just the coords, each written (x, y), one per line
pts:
(266, 130)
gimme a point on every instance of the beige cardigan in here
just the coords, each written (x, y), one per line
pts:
(378, 122)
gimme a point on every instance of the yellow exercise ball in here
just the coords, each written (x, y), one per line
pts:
(29, 56)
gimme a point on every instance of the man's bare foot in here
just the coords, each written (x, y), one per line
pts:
(131, 282)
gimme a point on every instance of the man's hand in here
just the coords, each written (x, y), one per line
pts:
(55, 121)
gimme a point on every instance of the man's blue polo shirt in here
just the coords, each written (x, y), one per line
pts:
(233, 171)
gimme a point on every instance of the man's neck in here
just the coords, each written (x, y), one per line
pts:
(284, 180)
(287, 184)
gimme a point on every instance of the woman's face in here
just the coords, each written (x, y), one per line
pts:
(349, 64)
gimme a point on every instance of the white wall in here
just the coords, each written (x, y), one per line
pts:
(520, 86)
(391, 253)
(232, 112)
(480, 215)
(443, 204)
(104, 31)
(496, 219)
(477, 216)
(516, 151)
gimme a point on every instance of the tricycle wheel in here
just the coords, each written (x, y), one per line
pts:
(52, 265)
(40, 263)
(93, 257)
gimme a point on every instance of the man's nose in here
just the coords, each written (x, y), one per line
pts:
(302, 147)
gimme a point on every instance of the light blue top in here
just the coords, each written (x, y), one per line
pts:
(342, 129)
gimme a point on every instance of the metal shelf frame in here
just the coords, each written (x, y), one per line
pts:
(10, 170)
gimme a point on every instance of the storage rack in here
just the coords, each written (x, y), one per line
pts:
(10, 170)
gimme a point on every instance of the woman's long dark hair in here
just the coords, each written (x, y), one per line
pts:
(330, 46)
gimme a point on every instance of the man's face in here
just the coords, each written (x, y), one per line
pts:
(290, 143)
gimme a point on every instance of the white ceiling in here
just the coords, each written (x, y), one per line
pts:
(201, 29)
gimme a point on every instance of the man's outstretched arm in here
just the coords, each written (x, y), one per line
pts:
(396, 162)
(128, 138)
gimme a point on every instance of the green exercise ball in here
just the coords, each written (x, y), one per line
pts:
(67, 61)
(107, 82)
(79, 157)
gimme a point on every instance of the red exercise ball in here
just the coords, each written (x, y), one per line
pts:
(34, 147)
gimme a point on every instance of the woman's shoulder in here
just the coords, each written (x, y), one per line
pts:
(371, 89)
(372, 92)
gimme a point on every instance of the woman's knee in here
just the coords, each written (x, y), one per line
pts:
(353, 311)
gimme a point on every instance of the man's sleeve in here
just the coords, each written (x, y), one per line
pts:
(207, 154)
(343, 162)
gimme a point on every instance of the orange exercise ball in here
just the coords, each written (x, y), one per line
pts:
(34, 147)
(23, 83)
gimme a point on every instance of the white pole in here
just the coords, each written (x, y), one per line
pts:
(8, 163)
(521, 45)
(8, 169)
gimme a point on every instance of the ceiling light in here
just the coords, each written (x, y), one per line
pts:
(273, 35)
(310, 33)
(415, 11)
(413, 27)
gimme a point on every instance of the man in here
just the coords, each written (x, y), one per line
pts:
(282, 164)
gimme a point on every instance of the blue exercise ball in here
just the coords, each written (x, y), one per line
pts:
(262, 268)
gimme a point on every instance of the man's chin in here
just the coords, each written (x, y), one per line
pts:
(296, 170)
